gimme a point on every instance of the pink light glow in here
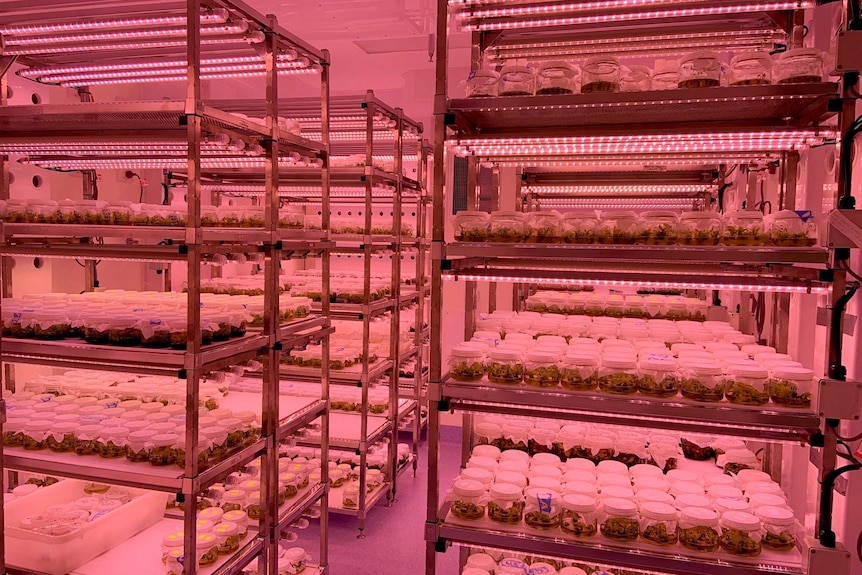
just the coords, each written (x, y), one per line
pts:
(177, 71)
(218, 15)
(631, 189)
(454, 276)
(183, 78)
(250, 38)
(236, 28)
(526, 22)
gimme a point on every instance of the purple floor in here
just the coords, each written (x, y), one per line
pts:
(394, 536)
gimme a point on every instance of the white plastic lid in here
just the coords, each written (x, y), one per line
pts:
(746, 476)
(740, 520)
(620, 507)
(467, 351)
(800, 52)
(731, 504)
(545, 482)
(699, 516)
(705, 368)
(512, 477)
(644, 469)
(514, 454)
(504, 354)
(618, 492)
(746, 215)
(482, 462)
(572, 571)
(541, 568)
(512, 70)
(477, 474)
(775, 515)
(686, 487)
(295, 554)
(620, 362)
(717, 491)
(506, 491)
(542, 356)
(684, 475)
(481, 561)
(655, 362)
(581, 463)
(793, 373)
(490, 451)
(644, 482)
(654, 495)
(763, 487)
(612, 467)
(757, 500)
(658, 511)
(692, 500)
(579, 503)
(752, 371)
(468, 488)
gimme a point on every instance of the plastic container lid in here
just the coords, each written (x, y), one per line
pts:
(699, 516)
(775, 515)
(542, 356)
(612, 467)
(651, 482)
(684, 487)
(513, 69)
(477, 474)
(763, 487)
(800, 52)
(681, 475)
(618, 492)
(658, 511)
(756, 500)
(793, 373)
(620, 507)
(513, 477)
(579, 503)
(746, 476)
(514, 454)
(206, 541)
(654, 495)
(705, 368)
(740, 520)
(506, 492)
(717, 491)
(213, 514)
(504, 354)
(644, 470)
(752, 371)
(467, 351)
(731, 504)
(468, 488)
(572, 571)
(482, 462)
(482, 561)
(692, 500)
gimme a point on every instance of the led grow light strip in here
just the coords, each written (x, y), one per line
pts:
(623, 204)
(674, 44)
(315, 69)
(160, 163)
(455, 276)
(214, 16)
(533, 19)
(251, 189)
(630, 189)
(255, 37)
(239, 27)
(181, 68)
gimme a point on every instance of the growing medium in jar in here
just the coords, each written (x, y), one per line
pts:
(666, 386)
(510, 515)
(745, 394)
(542, 376)
(538, 519)
(699, 538)
(577, 524)
(467, 510)
(621, 383)
(505, 373)
(620, 528)
(739, 542)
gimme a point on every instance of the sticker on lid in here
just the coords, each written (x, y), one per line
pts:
(544, 501)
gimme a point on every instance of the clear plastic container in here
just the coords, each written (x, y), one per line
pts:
(635, 78)
(545, 227)
(580, 227)
(601, 74)
(472, 226)
(699, 229)
(698, 529)
(665, 77)
(658, 228)
(786, 229)
(619, 228)
(658, 377)
(618, 375)
(779, 528)
(466, 363)
(517, 81)
(744, 228)
(541, 369)
(580, 372)
(505, 503)
(228, 537)
(505, 366)
(488, 433)
(740, 534)
(703, 382)
(747, 385)
(483, 84)
(791, 386)
(509, 227)
(758, 500)
(543, 509)
(800, 66)
(750, 69)
(556, 77)
(580, 515)
(658, 523)
(700, 70)
(468, 500)
(618, 520)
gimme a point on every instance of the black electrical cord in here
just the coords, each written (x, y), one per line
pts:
(838, 371)
(846, 267)
(826, 535)
(847, 201)
(834, 425)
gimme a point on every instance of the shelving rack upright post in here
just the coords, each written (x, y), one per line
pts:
(361, 125)
(118, 135)
(576, 133)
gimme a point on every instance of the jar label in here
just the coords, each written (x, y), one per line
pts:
(544, 502)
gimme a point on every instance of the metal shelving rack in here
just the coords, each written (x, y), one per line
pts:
(360, 125)
(185, 42)
(580, 139)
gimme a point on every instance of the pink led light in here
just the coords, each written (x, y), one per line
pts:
(250, 38)
(631, 189)
(182, 78)
(518, 12)
(454, 276)
(176, 71)
(236, 28)
(214, 16)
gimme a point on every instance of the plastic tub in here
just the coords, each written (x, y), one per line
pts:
(517, 81)
(483, 84)
(750, 69)
(800, 66)
(618, 519)
(700, 70)
(740, 534)
(556, 77)
(601, 74)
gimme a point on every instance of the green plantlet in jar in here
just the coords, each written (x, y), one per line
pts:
(574, 524)
(545, 376)
(699, 538)
(109, 450)
(698, 391)
(667, 387)
(510, 516)
(742, 236)
(581, 237)
(619, 383)
(616, 236)
(467, 371)
(782, 541)
(659, 535)
(662, 235)
(745, 394)
(572, 379)
(543, 521)
(620, 528)
(13, 438)
(786, 393)
(791, 240)
(505, 374)
(739, 543)
(467, 510)
(544, 235)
